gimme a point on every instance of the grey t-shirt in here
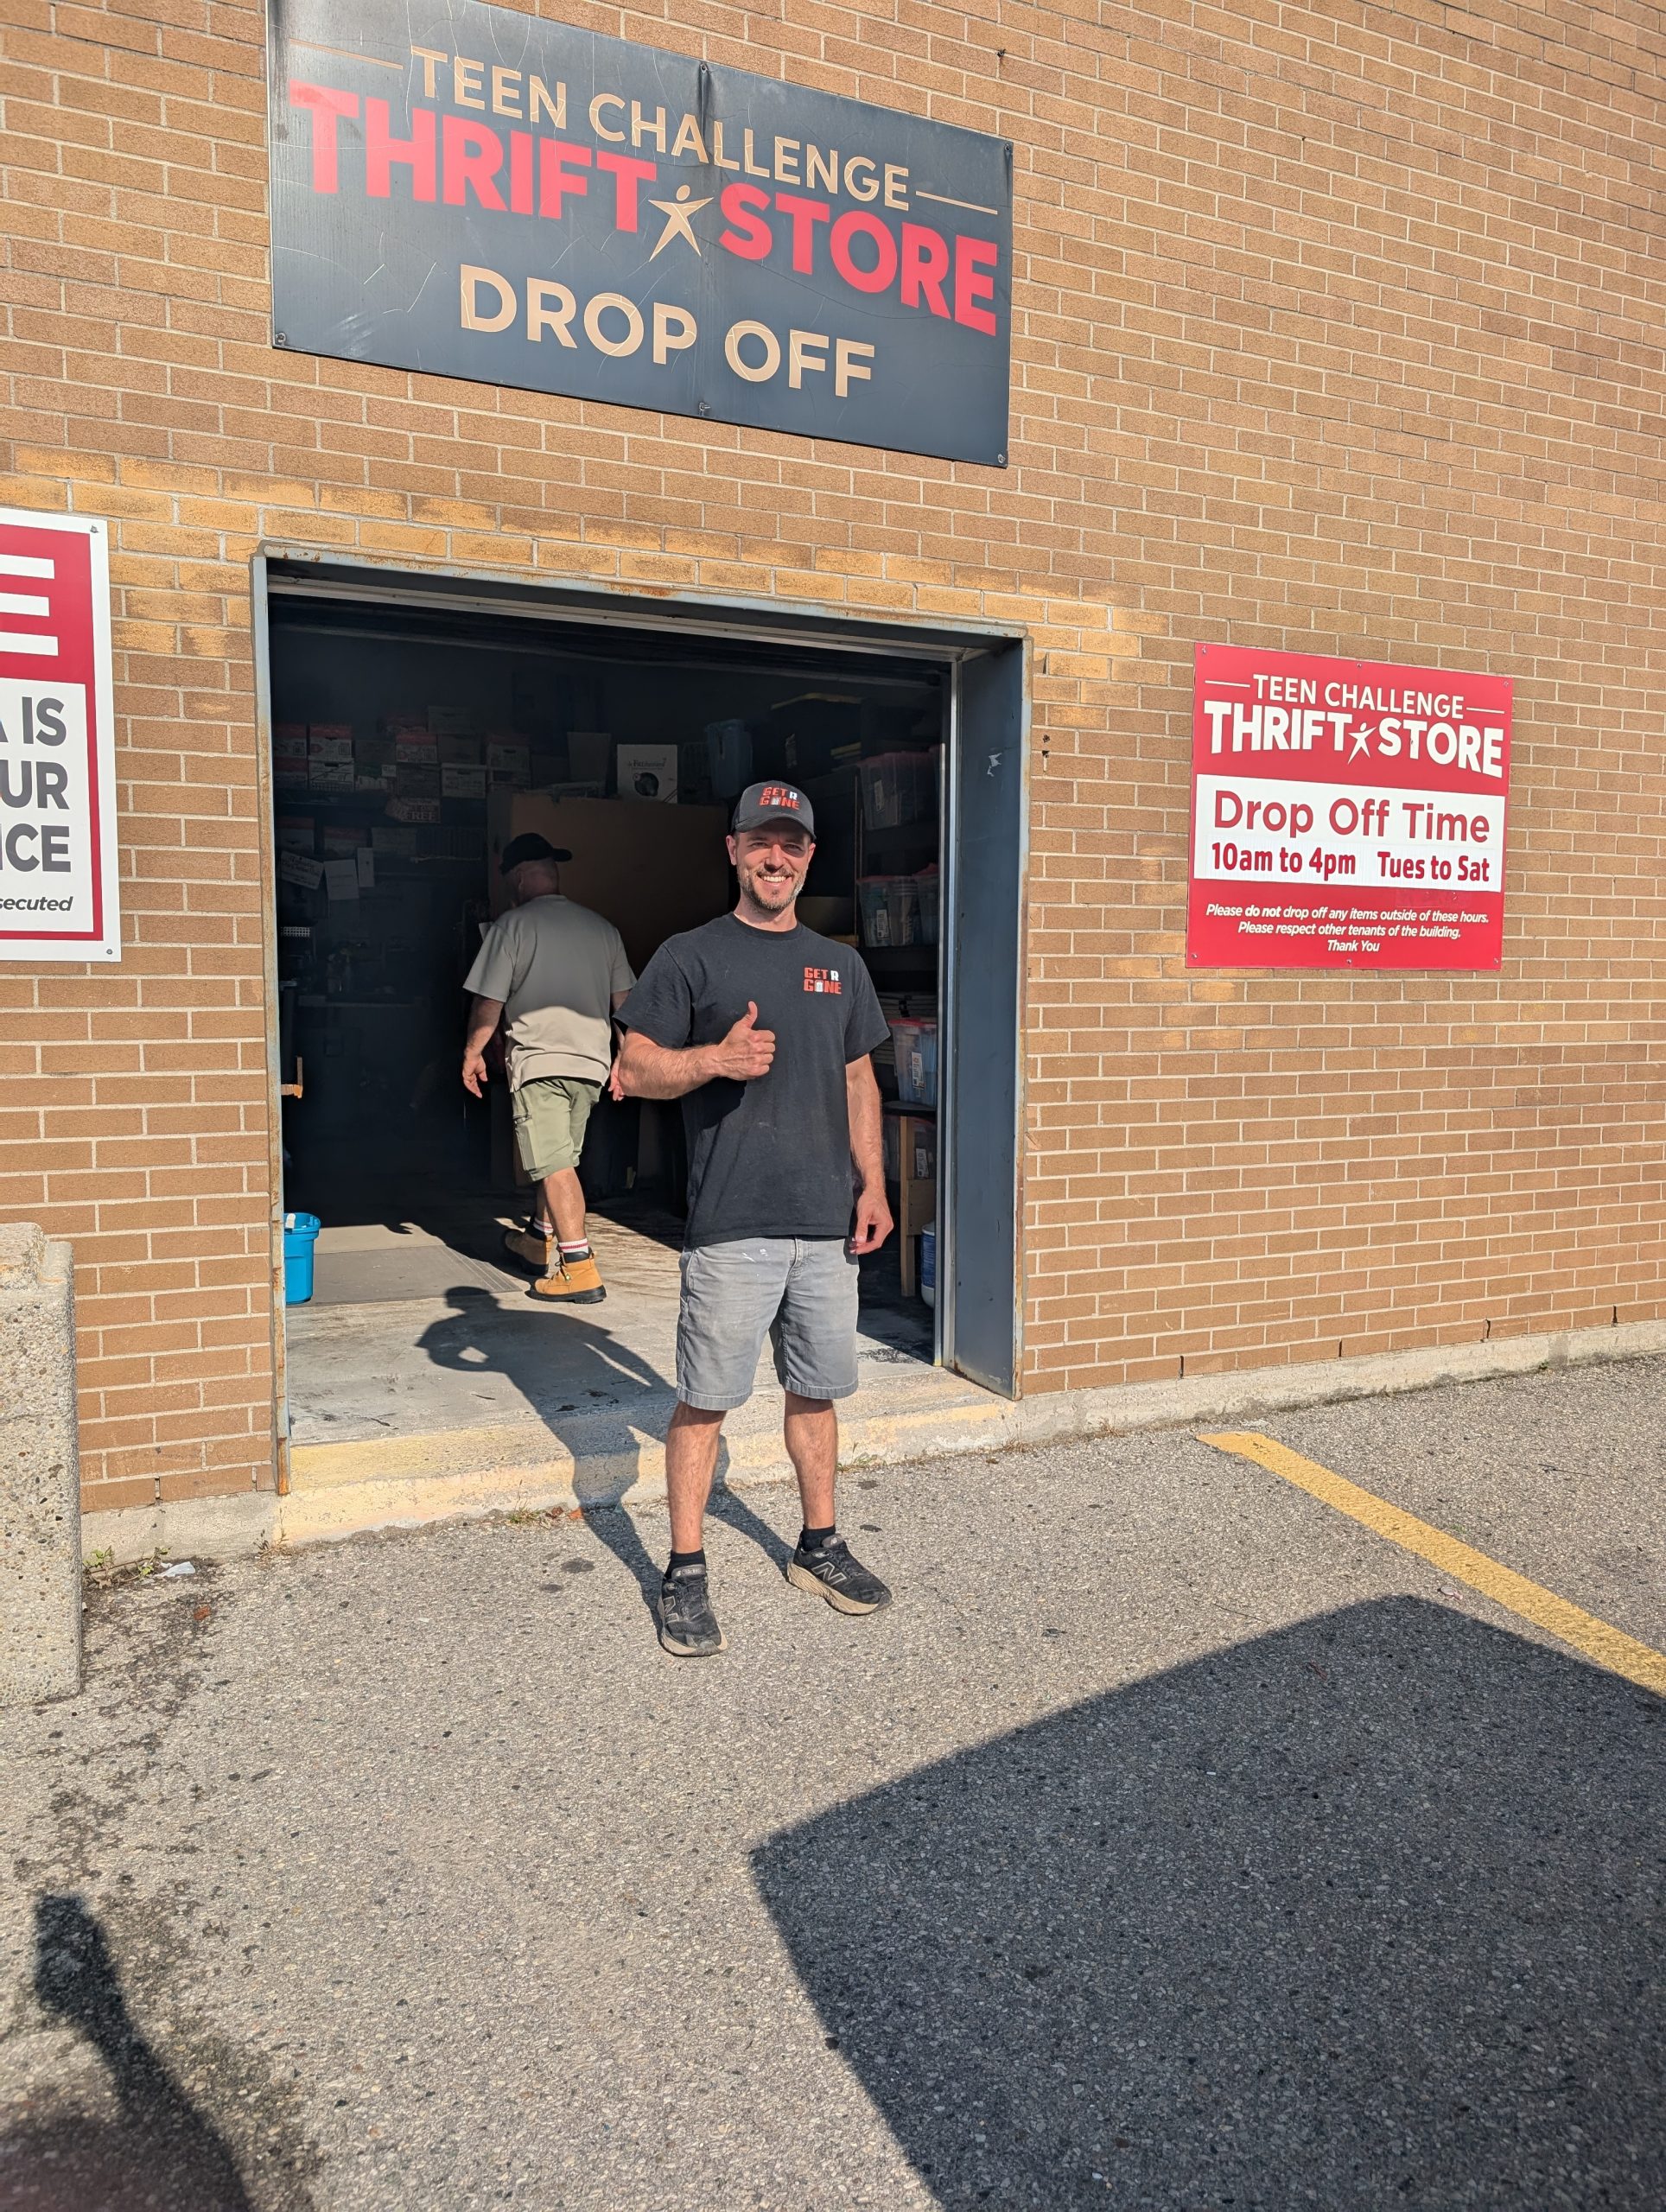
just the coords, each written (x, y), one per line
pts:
(771, 1157)
(557, 968)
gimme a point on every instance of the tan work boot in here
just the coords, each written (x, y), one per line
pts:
(530, 1246)
(570, 1282)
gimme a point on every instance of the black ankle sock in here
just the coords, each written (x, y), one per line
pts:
(812, 1538)
(686, 1558)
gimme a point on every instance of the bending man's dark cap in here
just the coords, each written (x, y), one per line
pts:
(529, 846)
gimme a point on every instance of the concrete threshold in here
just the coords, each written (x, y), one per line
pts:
(354, 1488)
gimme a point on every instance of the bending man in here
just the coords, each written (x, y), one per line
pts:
(554, 972)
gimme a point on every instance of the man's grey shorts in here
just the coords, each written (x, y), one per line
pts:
(798, 1291)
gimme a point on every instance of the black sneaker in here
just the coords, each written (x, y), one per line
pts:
(832, 1574)
(688, 1626)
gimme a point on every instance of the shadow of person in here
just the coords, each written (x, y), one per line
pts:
(597, 1396)
(735, 1512)
(569, 1370)
(159, 2150)
(1364, 1912)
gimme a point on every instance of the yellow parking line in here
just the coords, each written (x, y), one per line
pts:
(1609, 1647)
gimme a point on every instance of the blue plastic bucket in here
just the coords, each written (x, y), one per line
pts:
(927, 1264)
(300, 1235)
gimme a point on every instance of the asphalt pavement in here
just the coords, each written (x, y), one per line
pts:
(1172, 1842)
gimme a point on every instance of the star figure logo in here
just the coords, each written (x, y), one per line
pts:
(1362, 740)
(677, 214)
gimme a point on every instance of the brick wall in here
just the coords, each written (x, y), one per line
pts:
(1335, 329)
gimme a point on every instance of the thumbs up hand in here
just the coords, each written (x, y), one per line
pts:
(747, 1051)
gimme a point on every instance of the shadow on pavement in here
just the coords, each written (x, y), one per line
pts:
(598, 1371)
(1364, 1913)
(566, 1368)
(157, 2149)
(614, 1529)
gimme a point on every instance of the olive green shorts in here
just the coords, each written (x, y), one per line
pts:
(550, 1113)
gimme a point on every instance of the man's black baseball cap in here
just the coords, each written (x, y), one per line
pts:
(529, 846)
(761, 802)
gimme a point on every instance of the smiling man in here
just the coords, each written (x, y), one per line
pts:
(764, 1030)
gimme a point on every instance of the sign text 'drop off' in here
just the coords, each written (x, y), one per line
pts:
(469, 192)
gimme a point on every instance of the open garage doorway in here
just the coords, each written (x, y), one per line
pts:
(417, 725)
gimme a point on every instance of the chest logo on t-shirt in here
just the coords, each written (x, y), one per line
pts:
(822, 979)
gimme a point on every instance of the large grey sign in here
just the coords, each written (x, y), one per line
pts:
(467, 191)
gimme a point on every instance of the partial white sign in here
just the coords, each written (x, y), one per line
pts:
(58, 896)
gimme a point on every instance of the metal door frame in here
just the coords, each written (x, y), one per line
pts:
(288, 572)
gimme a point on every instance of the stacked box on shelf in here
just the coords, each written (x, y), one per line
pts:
(508, 761)
(922, 1137)
(416, 765)
(899, 787)
(890, 910)
(289, 762)
(928, 885)
(329, 756)
(373, 755)
(915, 1038)
(922, 1150)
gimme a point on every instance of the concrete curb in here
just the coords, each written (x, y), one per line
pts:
(40, 1470)
(1271, 1389)
(351, 1489)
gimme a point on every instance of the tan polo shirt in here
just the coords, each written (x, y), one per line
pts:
(557, 968)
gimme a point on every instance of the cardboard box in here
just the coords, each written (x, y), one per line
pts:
(589, 755)
(294, 833)
(458, 780)
(925, 1144)
(453, 721)
(330, 776)
(415, 753)
(647, 772)
(509, 763)
(652, 870)
(336, 750)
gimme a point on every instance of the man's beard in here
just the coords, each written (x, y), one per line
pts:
(757, 886)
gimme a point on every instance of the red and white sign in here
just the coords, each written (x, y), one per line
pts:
(1345, 814)
(58, 885)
